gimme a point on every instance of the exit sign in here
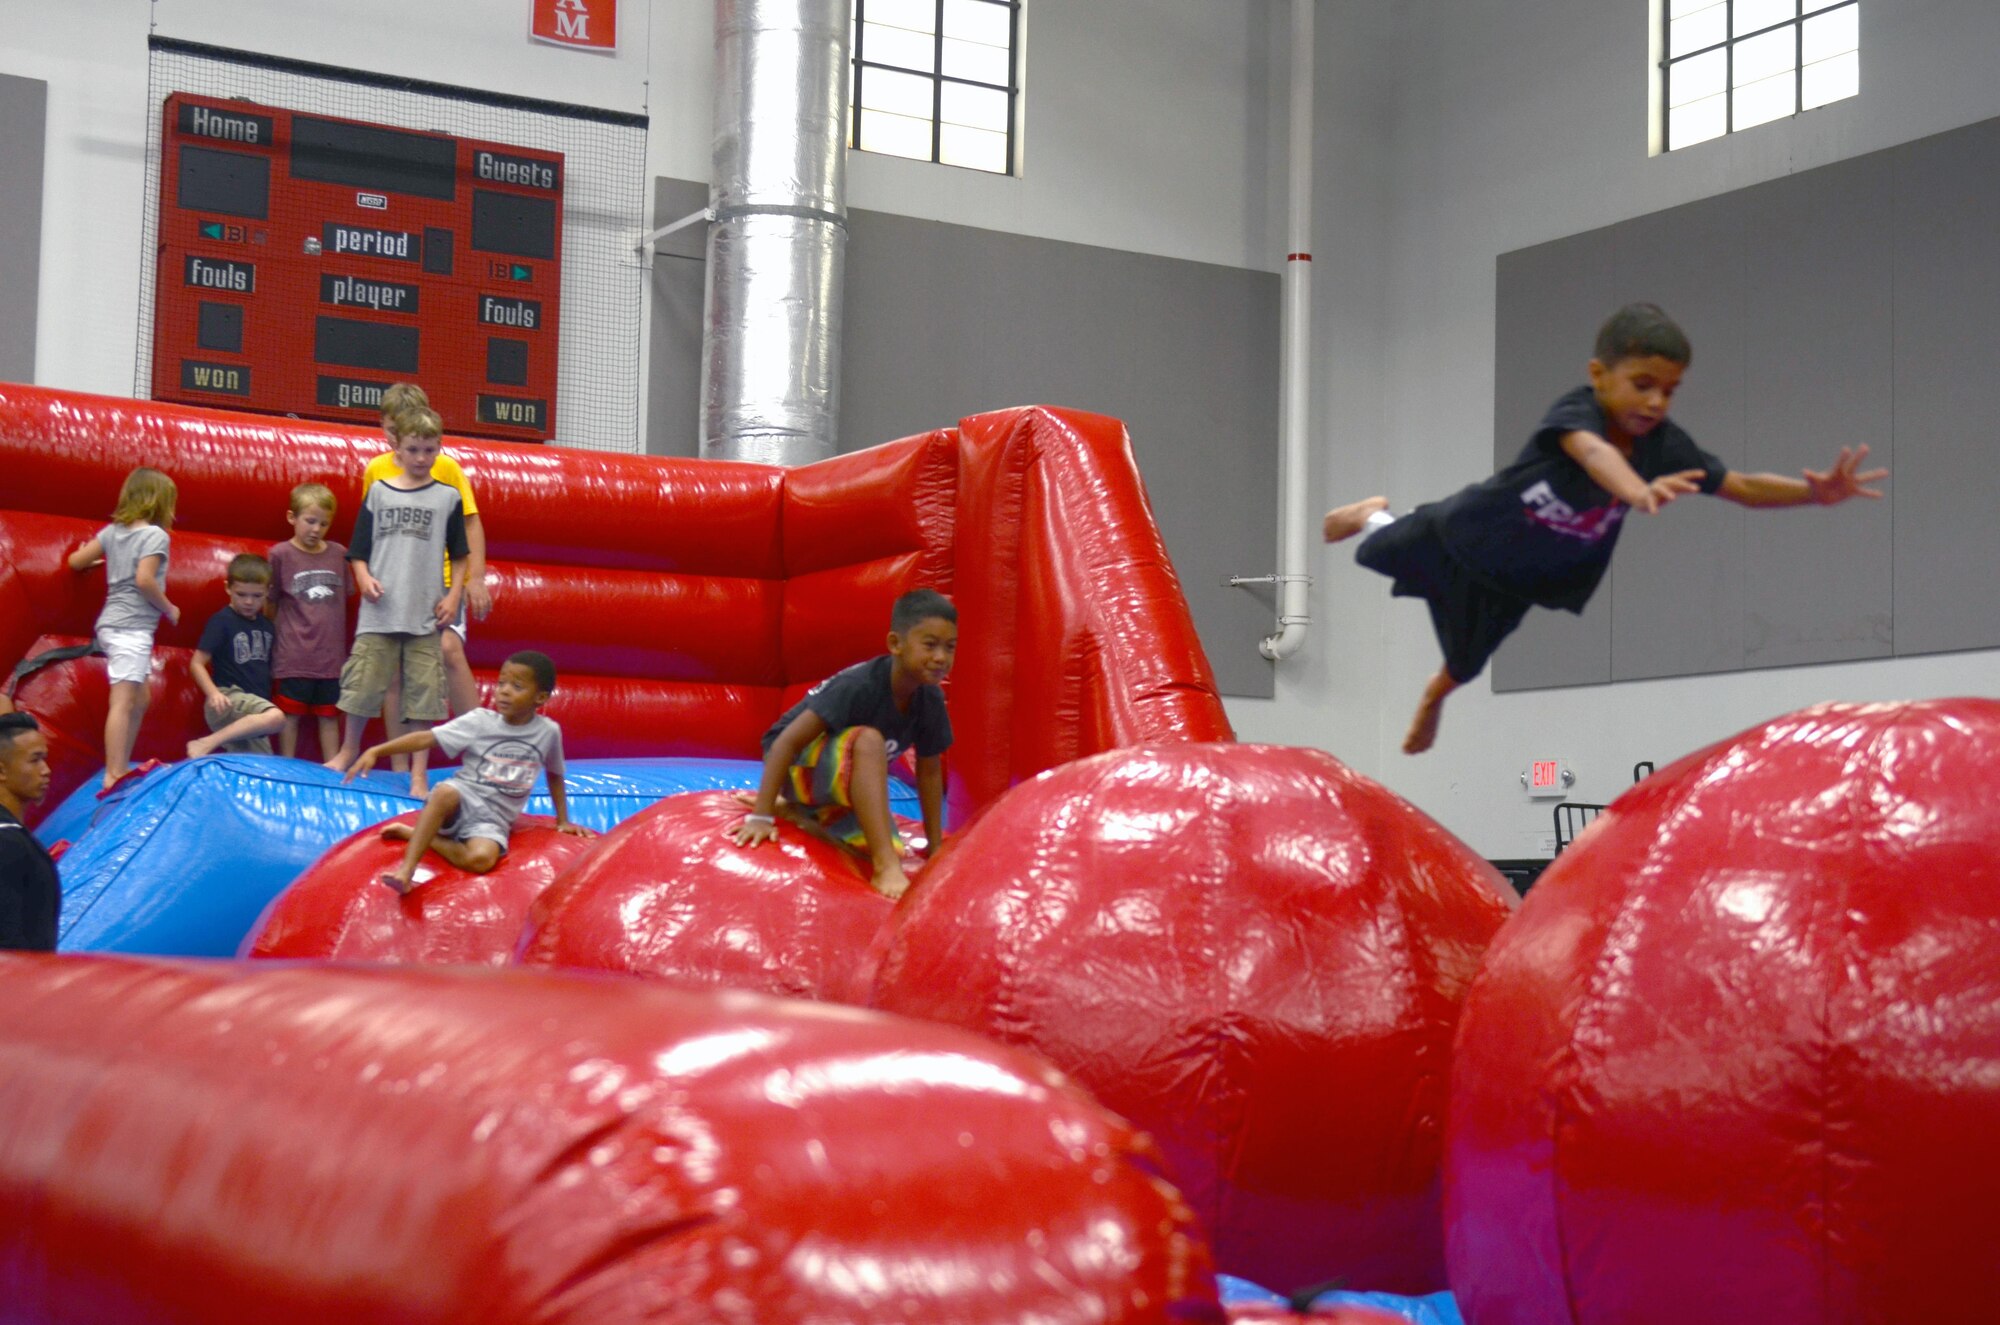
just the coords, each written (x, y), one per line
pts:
(1548, 778)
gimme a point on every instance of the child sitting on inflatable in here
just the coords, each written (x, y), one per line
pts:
(830, 753)
(232, 666)
(469, 818)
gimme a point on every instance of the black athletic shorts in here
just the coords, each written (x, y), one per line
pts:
(1470, 617)
(300, 695)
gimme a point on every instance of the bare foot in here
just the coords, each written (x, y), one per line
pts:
(395, 883)
(198, 748)
(398, 832)
(1344, 522)
(1424, 727)
(890, 881)
(339, 762)
(420, 787)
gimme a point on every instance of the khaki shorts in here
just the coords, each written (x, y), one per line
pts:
(242, 704)
(376, 658)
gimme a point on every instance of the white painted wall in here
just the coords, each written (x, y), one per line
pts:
(1500, 125)
(1149, 125)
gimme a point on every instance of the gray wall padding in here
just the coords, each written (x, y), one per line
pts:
(24, 104)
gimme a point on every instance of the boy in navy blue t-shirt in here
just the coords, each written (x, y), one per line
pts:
(232, 666)
(829, 754)
(1541, 531)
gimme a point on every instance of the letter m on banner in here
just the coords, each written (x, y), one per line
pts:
(590, 25)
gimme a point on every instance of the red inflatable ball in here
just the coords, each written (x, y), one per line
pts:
(338, 909)
(260, 1142)
(669, 895)
(1738, 1058)
(1251, 951)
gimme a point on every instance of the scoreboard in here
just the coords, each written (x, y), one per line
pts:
(305, 263)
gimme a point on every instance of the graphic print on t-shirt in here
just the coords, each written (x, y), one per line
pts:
(1559, 517)
(315, 586)
(510, 766)
(250, 646)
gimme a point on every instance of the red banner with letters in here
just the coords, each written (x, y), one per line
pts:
(590, 25)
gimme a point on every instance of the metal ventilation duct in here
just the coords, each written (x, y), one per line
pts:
(770, 359)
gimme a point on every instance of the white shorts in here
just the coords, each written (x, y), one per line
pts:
(128, 654)
(457, 625)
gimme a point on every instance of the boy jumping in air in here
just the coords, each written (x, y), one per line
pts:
(1541, 531)
(469, 818)
(829, 754)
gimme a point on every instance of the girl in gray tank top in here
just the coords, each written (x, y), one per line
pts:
(133, 551)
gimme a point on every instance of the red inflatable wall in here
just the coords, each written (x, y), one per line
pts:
(685, 601)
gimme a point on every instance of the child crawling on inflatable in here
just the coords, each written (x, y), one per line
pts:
(469, 818)
(829, 754)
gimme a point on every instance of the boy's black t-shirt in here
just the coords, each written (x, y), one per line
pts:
(239, 650)
(1542, 529)
(859, 696)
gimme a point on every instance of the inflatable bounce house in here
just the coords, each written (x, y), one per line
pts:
(1162, 1010)
(687, 602)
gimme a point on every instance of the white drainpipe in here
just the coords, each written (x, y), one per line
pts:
(1295, 380)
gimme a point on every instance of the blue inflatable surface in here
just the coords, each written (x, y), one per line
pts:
(182, 861)
(1432, 1309)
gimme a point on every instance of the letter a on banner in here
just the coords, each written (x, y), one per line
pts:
(590, 25)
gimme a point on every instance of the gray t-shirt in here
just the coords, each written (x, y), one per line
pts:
(405, 536)
(125, 546)
(501, 760)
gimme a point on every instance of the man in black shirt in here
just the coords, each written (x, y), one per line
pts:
(1541, 531)
(30, 897)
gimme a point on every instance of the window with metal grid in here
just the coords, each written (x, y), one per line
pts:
(937, 80)
(1730, 64)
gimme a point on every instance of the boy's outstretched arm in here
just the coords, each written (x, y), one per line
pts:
(930, 797)
(761, 823)
(1812, 488)
(408, 744)
(559, 796)
(1614, 473)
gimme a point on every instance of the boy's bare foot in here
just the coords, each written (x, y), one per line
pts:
(398, 832)
(203, 746)
(1344, 522)
(420, 787)
(890, 881)
(394, 882)
(1424, 727)
(338, 763)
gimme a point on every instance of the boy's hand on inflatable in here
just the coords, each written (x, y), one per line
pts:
(755, 830)
(362, 763)
(575, 830)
